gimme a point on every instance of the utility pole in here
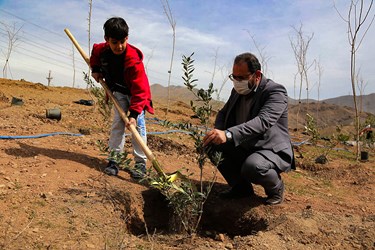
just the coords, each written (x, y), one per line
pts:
(49, 78)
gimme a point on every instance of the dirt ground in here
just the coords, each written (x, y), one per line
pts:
(53, 194)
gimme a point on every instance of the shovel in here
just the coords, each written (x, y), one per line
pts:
(150, 156)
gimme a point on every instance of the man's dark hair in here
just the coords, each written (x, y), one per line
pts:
(116, 28)
(251, 60)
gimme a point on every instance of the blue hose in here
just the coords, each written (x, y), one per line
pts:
(155, 121)
(9, 137)
(36, 136)
(166, 132)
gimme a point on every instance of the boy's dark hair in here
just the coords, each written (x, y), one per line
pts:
(116, 28)
(251, 60)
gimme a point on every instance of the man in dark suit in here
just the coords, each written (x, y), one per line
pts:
(252, 132)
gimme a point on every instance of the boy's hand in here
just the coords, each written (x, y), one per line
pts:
(131, 121)
(97, 76)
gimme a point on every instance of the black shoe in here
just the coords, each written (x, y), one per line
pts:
(111, 169)
(236, 193)
(276, 197)
(139, 171)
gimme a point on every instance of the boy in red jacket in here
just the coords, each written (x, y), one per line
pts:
(120, 64)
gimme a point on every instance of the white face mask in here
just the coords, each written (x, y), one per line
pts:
(242, 87)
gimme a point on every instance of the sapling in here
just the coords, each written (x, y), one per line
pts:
(183, 196)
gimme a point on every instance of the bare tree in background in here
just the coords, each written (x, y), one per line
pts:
(356, 18)
(361, 85)
(13, 38)
(263, 58)
(300, 46)
(215, 65)
(213, 73)
(74, 66)
(172, 22)
(149, 58)
(319, 70)
(225, 71)
(89, 35)
(89, 28)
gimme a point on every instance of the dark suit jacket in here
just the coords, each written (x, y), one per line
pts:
(266, 129)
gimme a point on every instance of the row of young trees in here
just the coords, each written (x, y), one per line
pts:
(358, 21)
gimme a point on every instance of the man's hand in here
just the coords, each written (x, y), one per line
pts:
(131, 121)
(97, 76)
(214, 136)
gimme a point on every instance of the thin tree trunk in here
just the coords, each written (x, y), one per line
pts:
(356, 121)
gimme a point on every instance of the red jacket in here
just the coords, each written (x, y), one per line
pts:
(135, 77)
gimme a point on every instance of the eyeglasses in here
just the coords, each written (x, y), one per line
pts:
(239, 78)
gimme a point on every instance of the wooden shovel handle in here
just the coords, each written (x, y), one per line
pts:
(132, 128)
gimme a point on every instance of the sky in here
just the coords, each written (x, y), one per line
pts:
(215, 30)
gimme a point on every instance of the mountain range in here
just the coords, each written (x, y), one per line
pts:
(366, 103)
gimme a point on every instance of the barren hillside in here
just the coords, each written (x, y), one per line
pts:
(327, 114)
